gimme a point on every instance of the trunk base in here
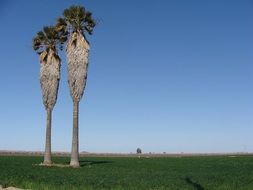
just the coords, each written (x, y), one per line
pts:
(74, 164)
(47, 163)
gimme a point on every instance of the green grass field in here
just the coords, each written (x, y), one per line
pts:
(200, 173)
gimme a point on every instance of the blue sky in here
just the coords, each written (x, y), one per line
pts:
(173, 76)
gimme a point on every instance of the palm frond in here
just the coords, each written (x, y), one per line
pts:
(43, 56)
(61, 25)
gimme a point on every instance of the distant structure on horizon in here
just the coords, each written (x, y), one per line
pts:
(138, 151)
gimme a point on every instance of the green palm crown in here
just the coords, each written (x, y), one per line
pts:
(76, 19)
(49, 39)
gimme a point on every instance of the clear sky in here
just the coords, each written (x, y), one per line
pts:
(173, 76)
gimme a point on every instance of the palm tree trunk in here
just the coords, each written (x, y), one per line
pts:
(47, 155)
(74, 162)
(77, 53)
(49, 81)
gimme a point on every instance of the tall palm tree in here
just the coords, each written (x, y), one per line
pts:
(78, 22)
(46, 43)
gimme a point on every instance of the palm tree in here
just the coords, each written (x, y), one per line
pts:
(77, 22)
(46, 44)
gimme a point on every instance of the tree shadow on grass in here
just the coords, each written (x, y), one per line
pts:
(90, 162)
(196, 186)
(84, 163)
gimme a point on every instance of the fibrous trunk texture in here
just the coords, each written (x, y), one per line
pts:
(77, 54)
(49, 81)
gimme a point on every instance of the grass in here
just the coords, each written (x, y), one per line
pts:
(193, 173)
